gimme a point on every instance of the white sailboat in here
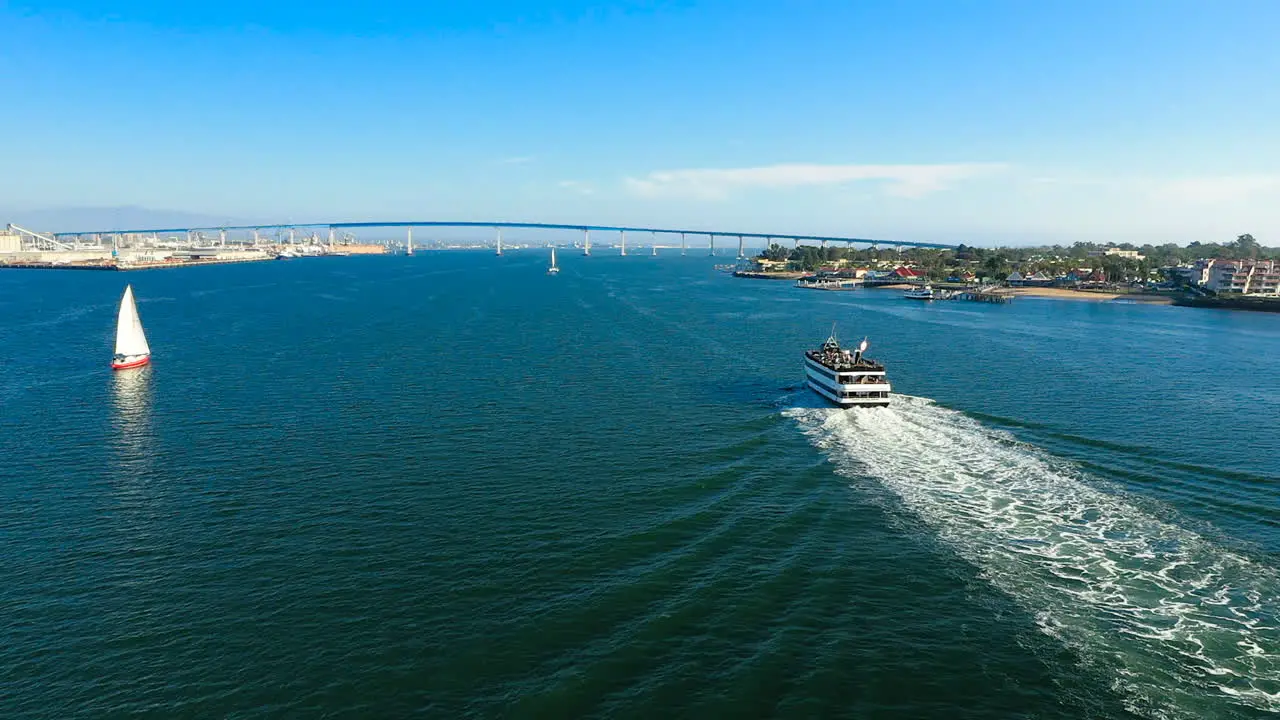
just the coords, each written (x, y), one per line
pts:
(554, 269)
(131, 343)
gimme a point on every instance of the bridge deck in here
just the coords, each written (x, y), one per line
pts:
(523, 225)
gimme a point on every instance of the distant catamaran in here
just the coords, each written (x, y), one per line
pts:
(131, 343)
(554, 268)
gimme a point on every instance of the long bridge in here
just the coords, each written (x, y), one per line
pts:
(59, 240)
(499, 226)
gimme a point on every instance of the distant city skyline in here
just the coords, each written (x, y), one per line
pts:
(993, 123)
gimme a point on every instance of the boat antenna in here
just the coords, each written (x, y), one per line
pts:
(833, 332)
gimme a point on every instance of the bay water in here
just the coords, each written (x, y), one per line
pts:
(448, 485)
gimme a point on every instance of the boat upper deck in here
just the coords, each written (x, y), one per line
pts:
(843, 361)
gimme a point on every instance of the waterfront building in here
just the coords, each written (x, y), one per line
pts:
(1245, 277)
(1035, 279)
(10, 242)
(1084, 275)
(1117, 252)
(767, 265)
(845, 273)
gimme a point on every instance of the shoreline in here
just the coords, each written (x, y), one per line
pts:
(758, 275)
(127, 267)
(1087, 295)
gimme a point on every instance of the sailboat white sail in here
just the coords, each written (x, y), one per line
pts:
(554, 268)
(131, 343)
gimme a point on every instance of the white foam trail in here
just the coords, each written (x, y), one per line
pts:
(1187, 628)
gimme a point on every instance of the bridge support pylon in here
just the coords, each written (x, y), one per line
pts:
(623, 234)
(713, 244)
(684, 249)
(741, 252)
(586, 242)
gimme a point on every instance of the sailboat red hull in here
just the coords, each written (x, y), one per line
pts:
(133, 364)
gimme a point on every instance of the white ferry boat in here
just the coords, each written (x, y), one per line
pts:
(845, 377)
(925, 292)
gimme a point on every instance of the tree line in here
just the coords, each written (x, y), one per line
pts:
(1049, 259)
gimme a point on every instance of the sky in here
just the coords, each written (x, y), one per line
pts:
(1001, 122)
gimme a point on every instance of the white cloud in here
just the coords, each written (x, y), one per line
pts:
(577, 186)
(1216, 190)
(911, 181)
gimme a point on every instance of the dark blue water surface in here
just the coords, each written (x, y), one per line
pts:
(449, 485)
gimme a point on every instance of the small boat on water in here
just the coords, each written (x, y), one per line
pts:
(924, 292)
(554, 269)
(131, 343)
(845, 377)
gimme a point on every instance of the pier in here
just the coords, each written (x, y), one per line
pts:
(986, 295)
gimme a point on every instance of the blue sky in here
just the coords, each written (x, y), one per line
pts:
(990, 122)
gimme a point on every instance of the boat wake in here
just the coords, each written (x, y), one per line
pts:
(1185, 627)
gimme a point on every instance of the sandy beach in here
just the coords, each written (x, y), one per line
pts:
(1088, 295)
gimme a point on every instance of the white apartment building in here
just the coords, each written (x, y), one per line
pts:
(1247, 277)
